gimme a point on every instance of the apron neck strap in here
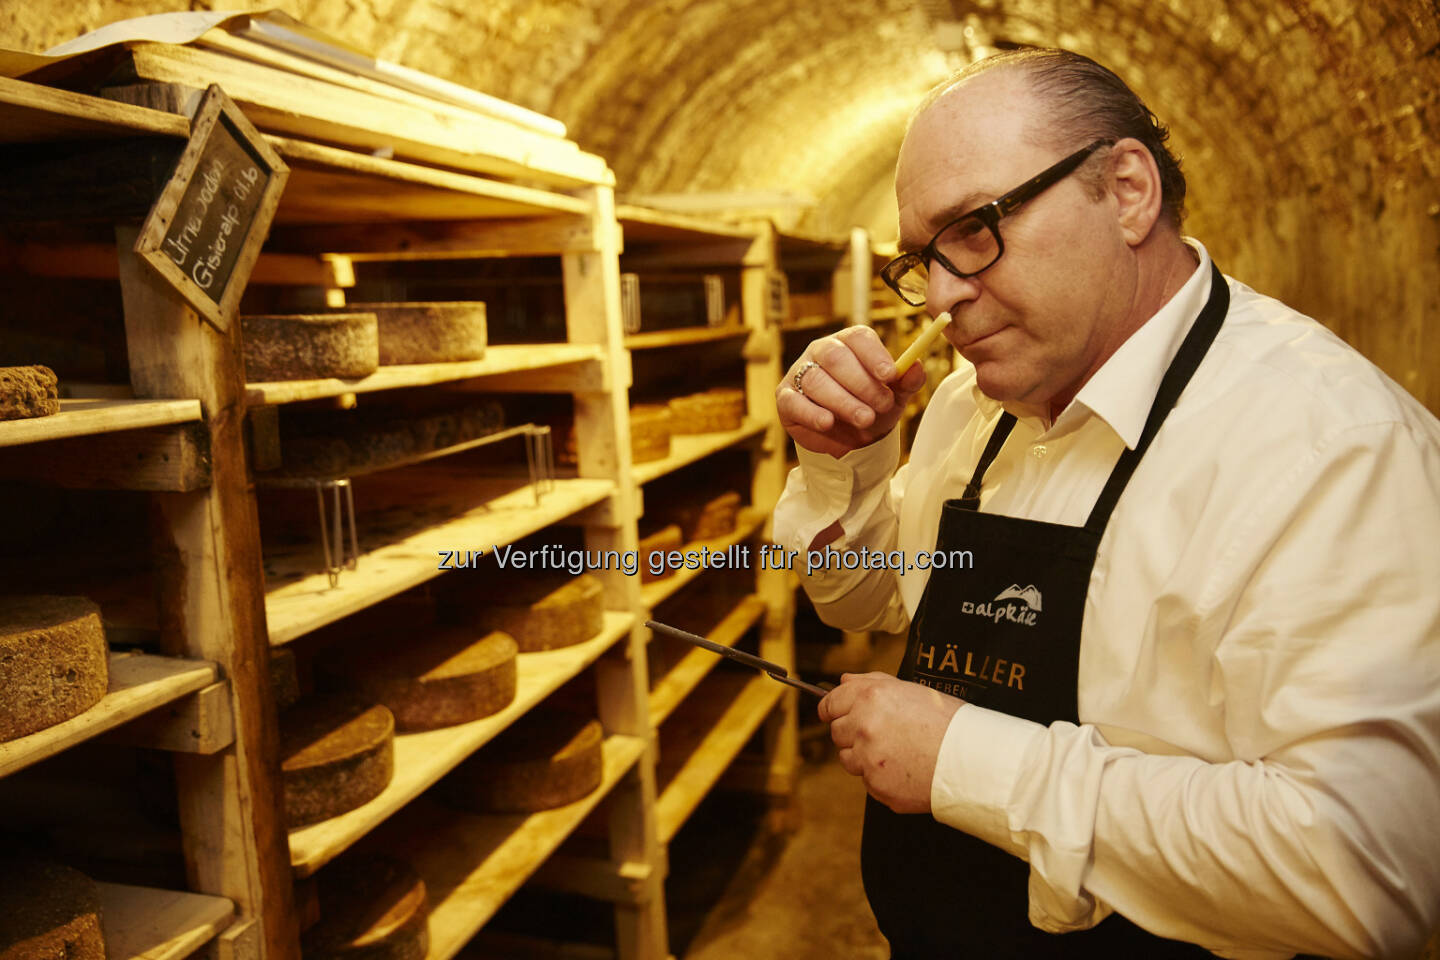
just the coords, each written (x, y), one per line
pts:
(970, 499)
(1187, 360)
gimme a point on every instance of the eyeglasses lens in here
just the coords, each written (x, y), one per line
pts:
(969, 245)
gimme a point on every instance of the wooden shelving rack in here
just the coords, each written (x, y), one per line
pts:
(221, 615)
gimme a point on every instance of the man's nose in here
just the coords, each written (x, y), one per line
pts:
(944, 290)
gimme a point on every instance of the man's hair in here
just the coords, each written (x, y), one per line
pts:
(1086, 102)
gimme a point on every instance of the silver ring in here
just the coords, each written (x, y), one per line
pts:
(800, 375)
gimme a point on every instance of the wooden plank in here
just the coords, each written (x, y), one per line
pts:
(100, 261)
(139, 683)
(79, 418)
(649, 224)
(497, 512)
(622, 882)
(472, 864)
(207, 552)
(683, 336)
(85, 181)
(816, 322)
(686, 675)
(686, 449)
(284, 103)
(175, 459)
(198, 723)
(30, 113)
(402, 237)
(656, 592)
(713, 728)
(421, 759)
(141, 923)
(564, 361)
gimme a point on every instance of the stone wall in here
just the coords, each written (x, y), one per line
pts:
(1310, 128)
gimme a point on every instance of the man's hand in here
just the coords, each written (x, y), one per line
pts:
(847, 399)
(889, 732)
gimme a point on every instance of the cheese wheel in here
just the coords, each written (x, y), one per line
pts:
(338, 444)
(448, 676)
(541, 613)
(308, 347)
(372, 907)
(547, 759)
(54, 664)
(48, 912)
(284, 677)
(336, 753)
(649, 432)
(653, 549)
(714, 517)
(27, 392)
(711, 411)
(428, 332)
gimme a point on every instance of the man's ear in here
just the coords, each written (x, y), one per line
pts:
(1135, 182)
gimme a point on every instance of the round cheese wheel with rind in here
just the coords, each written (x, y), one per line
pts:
(449, 676)
(310, 346)
(372, 907)
(48, 912)
(547, 759)
(443, 332)
(336, 753)
(54, 664)
(541, 613)
(709, 411)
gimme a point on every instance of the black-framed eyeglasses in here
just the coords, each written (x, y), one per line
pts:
(971, 243)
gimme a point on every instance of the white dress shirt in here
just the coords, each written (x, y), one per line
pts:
(1257, 768)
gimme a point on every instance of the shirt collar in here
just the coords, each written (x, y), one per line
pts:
(1122, 391)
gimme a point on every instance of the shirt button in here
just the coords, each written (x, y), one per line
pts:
(1039, 451)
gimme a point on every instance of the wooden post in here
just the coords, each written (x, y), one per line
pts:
(602, 428)
(777, 637)
(212, 606)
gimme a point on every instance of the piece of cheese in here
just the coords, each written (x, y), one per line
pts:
(310, 346)
(650, 429)
(428, 332)
(447, 676)
(714, 517)
(547, 759)
(336, 753)
(710, 411)
(48, 912)
(372, 907)
(540, 612)
(27, 392)
(54, 664)
(653, 549)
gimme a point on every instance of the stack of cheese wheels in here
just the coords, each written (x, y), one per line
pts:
(336, 753)
(54, 664)
(27, 392)
(48, 912)
(541, 613)
(653, 549)
(428, 332)
(449, 676)
(713, 517)
(338, 444)
(549, 758)
(372, 907)
(710, 411)
(649, 432)
(310, 346)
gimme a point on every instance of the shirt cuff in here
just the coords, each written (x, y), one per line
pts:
(840, 481)
(980, 761)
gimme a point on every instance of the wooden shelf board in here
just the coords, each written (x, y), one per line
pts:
(718, 720)
(79, 418)
(683, 336)
(494, 512)
(141, 923)
(421, 759)
(505, 358)
(139, 683)
(813, 323)
(685, 449)
(30, 113)
(645, 224)
(656, 592)
(685, 676)
(880, 314)
(472, 864)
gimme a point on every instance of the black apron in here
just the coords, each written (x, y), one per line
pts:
(1005, 634)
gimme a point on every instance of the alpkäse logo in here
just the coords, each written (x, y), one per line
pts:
(1015, 603)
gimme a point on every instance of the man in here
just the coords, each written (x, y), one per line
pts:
(1182, 690)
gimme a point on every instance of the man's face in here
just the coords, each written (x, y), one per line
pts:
(1040, 321)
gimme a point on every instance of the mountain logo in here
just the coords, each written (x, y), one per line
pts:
(1027, 595)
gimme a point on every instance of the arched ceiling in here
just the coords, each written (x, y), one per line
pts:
(1310, 129)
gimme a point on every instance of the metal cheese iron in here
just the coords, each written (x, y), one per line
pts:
(774, 670)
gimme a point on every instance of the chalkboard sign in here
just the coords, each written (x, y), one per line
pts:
(206, 228)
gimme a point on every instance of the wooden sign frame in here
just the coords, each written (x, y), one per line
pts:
(217, 114)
